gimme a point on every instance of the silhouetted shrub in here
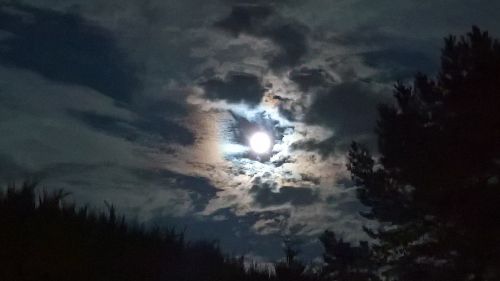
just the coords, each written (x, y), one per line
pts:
(48, 239)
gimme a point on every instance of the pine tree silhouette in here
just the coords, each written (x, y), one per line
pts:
(344, 261)
(436, 182)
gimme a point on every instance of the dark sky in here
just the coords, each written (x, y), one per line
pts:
(150, 104)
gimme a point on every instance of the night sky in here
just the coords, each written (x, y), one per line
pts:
(150, 105)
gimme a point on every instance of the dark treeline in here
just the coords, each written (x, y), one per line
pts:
(433, 186)
(46, 239)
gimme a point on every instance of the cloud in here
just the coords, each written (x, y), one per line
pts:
(143, 192)
(264, 22)
(399, 64)
(348, 108)
(307, 78)
(237, 87)
(283, 159)
(236, 234)
(289, 108)
(10, 170)
(200, 189)
(324, 147)
(143, 130)
(268, 194)
(307, 177)
(65, 47)
(38, 129)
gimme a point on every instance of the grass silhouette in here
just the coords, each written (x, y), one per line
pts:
(44, 238)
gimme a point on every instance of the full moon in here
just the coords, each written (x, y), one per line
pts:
(260, 142)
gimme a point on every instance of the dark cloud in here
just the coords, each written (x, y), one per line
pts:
(141, 130)
(283, 160)
(10, 170)
(289, 108)
(246, 19)
(307, 78)
(345, 182)
(399, 64)
(262, 21)
(66, 48)
(234, 232)
(324, 147)
(304, 179)
(235, 88)
(262, 2)
(163, 108)
(396, 56)
(348, 108)
(268, 194)
(167, 130)
(310, 178)
(292, 39)
(346, 202)
(71, 173)
(365, 35)
(78, 176)
(199, 188)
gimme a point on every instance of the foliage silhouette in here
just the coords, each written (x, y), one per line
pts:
(435, 186)
(346, 262)
(48, 239)
(291, 268)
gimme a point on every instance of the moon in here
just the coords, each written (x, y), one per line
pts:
(260, 142)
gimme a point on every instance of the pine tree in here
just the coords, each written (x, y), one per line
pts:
(344, 261)
(435, 186)
(291, 268)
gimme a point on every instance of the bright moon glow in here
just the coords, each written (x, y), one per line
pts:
(260, 142)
